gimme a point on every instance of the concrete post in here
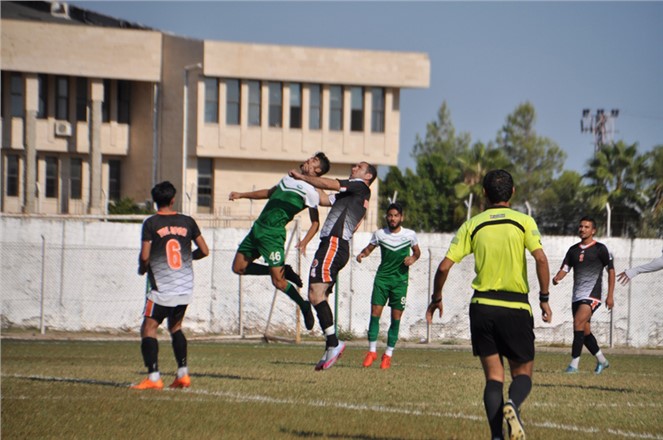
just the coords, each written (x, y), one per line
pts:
(29, 141)
(96, 99)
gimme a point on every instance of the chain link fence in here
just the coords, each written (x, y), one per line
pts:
(80, 276)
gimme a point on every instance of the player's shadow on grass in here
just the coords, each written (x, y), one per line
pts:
(223, 376)
(585, 387)
(105, 383)
(315, 434)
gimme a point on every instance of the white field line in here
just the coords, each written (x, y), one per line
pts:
(345, 405)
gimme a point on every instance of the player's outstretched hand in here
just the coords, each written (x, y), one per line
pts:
(623, 278)
(295, 174)
(430, 311)
(360, 256)
(301, 247)
(546, 312)
(233, 195)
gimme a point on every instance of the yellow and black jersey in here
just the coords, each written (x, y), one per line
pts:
(498, 238)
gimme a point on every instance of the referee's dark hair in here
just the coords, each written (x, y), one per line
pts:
(163, 193)
(498, 185)
(396, 206)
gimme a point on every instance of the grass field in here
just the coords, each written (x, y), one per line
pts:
(78, 390)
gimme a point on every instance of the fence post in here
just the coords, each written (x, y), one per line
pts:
(430, 270)
(42, 327)
(628, 316)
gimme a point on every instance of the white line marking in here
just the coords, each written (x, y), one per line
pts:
(345, 405)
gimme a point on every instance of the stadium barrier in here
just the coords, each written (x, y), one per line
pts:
(80, 276)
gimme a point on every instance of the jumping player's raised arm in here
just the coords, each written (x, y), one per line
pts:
(260, 194)
(318, 182)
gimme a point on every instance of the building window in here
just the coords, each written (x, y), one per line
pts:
(42, 106)
(211, 100)
(336, 108)
(377, 114)
(295, 106)
(357, 109)
(114, 179)
(17, 104)
(81, 99)
(12, 176)
(51, 176)
(315, 107)
(275, 104)
(76, 179)
(62, 98)
(123, 102)
(105, 106)
(205, 182)
(254, 103)
(232, 102)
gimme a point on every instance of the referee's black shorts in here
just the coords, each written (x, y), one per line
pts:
(502, 330)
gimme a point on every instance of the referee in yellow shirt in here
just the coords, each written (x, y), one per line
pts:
(501, 321)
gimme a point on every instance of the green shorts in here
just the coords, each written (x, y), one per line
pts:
(392, 291)
(266, 242)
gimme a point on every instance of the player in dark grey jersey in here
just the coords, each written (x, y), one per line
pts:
(348, 209)
(587, 259)
(166, 257)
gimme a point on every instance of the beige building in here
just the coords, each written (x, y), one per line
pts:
(95, 109)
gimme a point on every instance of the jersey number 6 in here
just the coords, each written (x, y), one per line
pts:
(173, 254)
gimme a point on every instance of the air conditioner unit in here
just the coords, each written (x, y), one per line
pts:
(62, 128)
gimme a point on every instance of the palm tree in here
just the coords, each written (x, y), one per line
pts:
(473, 164)
(617, 175)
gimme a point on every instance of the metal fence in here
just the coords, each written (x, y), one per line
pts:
(81, 276)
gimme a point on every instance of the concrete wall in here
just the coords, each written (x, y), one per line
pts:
(90, 283)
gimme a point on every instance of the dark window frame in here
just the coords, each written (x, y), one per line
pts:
(211, 100)
(51, 175)
(205, 190)
(255, 103)
(335, 108)
(17, 95)
(123, 102)
(114, 179)
(295, 105)
(76, 178)
(42, 105)
(12, 176)
(315, 107)
(81, 99)
(357, 109)
(233, 102)
(378, 111)
(275, 109)
(62, 94)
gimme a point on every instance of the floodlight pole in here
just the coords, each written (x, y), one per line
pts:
(600, 124)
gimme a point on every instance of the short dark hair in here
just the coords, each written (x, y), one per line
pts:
(396, 206)
(588, 219)
(374, 172)
(325, 165)
(498, 185)
(163, 193)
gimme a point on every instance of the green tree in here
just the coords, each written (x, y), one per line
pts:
(427, 195)
(653, 217)
(562, 205)
(473, 163)
(617, 175)
(535, 160)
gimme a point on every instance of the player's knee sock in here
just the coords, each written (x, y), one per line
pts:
(493, 401)
(519, 389)
(149, 347)
(373, 328)
(294, 295)
(326, 320)
(392, 334)
(256, 269)
(591, 344)
(179, 348)
(578, 340)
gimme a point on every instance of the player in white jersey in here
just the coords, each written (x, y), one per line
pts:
(166, 257)
(391, 280)
(653, 266)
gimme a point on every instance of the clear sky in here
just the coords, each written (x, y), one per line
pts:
(486, 57)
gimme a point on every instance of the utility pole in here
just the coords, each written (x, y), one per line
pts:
(600, 124)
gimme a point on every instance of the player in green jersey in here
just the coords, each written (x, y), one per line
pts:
(391, 280)
(267, 235)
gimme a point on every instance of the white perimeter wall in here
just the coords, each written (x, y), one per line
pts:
(87, 281)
